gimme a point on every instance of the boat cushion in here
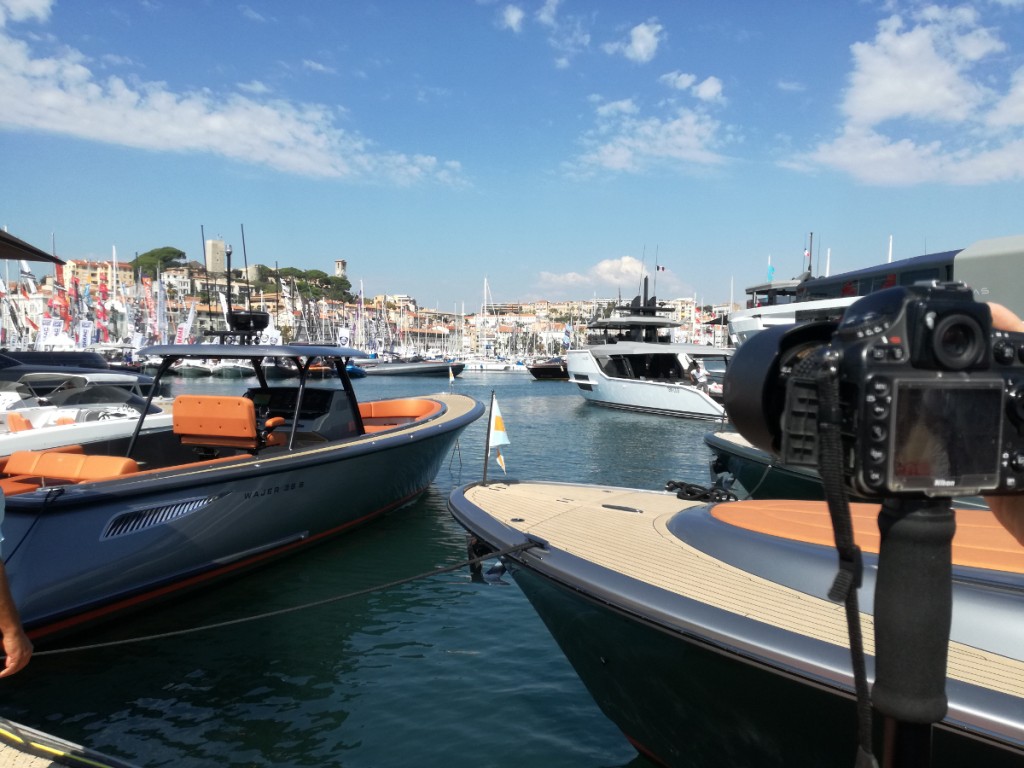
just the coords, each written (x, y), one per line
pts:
(379, 415)
(63, 467)
(980, 542)
(22, 463)
(215, 421)
(17, 423)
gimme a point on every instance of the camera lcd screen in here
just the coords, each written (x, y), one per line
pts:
(947, 436)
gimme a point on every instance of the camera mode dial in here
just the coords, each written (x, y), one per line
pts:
(1003, 352)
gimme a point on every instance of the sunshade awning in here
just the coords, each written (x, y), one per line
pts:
(12, 247)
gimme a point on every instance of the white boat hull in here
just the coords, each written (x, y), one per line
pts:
(668, 398)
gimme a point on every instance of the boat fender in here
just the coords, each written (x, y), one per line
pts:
(694, 492)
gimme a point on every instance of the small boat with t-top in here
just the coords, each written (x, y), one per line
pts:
(93, 530)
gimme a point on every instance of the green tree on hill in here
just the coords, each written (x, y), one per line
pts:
(310, 283)
(158, 260)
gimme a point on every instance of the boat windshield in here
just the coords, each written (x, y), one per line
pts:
(100, 396)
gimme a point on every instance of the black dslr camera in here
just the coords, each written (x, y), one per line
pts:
(931, 398)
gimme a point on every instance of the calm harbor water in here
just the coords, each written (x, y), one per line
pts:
(437, 672)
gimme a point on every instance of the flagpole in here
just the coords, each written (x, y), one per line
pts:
(656, 270)
(487, 441)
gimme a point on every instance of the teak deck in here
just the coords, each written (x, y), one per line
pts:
(583, 521)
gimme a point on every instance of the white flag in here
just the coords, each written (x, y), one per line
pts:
(498, 434)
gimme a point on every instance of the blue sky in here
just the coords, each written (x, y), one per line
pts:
(555, 148)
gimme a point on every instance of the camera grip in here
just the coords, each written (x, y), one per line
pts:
(913, 609)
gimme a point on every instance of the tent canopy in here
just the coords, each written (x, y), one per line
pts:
(13, 248)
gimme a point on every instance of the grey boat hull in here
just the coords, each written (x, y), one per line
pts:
(78, 553)
(708, 647)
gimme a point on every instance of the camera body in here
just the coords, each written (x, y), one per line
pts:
(931, 397)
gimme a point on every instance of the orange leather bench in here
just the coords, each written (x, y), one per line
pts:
(28, 470)
(379, 415)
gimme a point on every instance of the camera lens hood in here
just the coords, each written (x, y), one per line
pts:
(754, 390)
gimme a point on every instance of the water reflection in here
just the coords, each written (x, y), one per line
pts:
(438, 672)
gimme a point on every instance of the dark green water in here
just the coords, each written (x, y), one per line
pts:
(438, 672)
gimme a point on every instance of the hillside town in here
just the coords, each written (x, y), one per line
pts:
(87, 304)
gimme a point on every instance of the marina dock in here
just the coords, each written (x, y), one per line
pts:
(24, 747)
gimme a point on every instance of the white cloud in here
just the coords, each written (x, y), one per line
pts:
(254, 87)
(621, 275)
(316, 66)
(61, 95)
(790, 85)
(681, 81)
(548, 11)
(512, 18)
(1009, 110)
(565, 279)
(616, 271)
(873, 158)
(609, 273)
(708, 90)
(921, 107)
(251, 14)
(568, 37)
(625, 141)
(642, 44)
(24, 10)
(621, 107)
(920, 71)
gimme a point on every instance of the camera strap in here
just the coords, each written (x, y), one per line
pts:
(848, 579)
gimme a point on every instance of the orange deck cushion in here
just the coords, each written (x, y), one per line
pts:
(17, 423)
(404, 408)
(209, 420)
(5, 461)
(980, 541)
(22, 462)
(61, 466)
(12, 487)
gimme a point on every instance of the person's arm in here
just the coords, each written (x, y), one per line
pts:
(1009, 510)
(17, 646)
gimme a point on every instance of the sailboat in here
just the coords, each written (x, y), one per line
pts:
(488, 356)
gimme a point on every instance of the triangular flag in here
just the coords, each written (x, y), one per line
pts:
(501, 461)
(498, 434)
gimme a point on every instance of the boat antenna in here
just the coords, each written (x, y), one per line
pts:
(231, 312)
(245, 262)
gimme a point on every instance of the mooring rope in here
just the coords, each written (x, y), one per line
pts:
(294, 608)
(695, 492)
